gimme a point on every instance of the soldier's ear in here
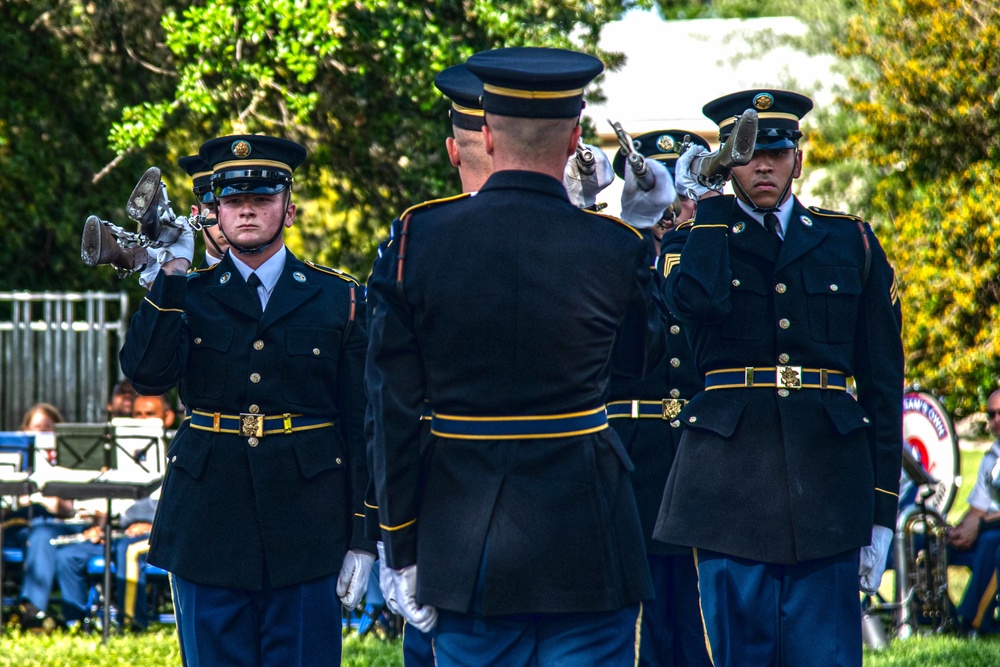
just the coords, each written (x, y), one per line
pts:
(574, 139)
(798, 164)
(453, 154)
(488, 139)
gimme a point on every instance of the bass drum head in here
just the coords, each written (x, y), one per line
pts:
(930, 437)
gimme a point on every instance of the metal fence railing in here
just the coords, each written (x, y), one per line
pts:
(60, 348)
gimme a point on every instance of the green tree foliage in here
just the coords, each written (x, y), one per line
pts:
(351, 80)
(94, 93)
(67, 71)
(926, 121)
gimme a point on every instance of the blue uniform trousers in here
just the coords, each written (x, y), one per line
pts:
(766, 615)
(418, 649)
(672, 632)
(40, 558)
(978, 607)
(600, 639)
(292, 626)
(175, 597)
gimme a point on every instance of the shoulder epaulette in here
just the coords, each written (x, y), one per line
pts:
(433, 202)
(684, 225)
(834, 214)
(615, 220)
(333, 272)
(203, 269)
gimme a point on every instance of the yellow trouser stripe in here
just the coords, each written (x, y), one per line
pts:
(132, 554)
(985, 601)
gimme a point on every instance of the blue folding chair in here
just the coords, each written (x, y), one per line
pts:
(159, 602)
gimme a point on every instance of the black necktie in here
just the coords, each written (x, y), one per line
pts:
(253, 282)
(771, 224)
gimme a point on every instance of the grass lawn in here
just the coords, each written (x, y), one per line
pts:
(158, 648)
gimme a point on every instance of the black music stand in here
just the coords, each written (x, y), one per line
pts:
(139, 444)
(109, 490)
(95, 447)
(85, 446)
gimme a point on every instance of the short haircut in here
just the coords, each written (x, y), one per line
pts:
(472, 150)
(526, 138)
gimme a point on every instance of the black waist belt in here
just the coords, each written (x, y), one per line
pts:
(519, 428)
(781, 377)
(251, 424)
(667, 409)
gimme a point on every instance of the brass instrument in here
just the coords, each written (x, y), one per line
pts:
(80, 538)
(921, 560)
(921, 571)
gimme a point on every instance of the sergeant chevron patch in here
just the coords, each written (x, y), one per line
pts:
(893, 290)
(669, 262)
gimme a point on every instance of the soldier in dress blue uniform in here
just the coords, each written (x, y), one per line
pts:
(519, 535)
(781, 476)
(201, 185)
(468, 155)
(644, 411)
(262, 503)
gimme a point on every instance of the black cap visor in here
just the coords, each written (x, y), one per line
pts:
(258, 181)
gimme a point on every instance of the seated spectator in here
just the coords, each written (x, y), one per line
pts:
(122, 397)
(47, 521)
(974, 543)
(40, 418)
(130, 547)
(49, 524)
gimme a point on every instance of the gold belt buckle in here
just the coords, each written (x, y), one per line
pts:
(251, 425)
(672, 407)
(790, 377)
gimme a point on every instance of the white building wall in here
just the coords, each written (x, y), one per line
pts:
(674, 67)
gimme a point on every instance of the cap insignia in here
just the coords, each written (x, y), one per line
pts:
(666, 143)
(763, 101)
(241, 148)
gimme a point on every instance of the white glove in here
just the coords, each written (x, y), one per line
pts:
(422, 617)
(152, 269)
(182, 247)
(385, 582)
(644, 208)
(872, 559)
(685, 181)
(582, 184)
(353, 579)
